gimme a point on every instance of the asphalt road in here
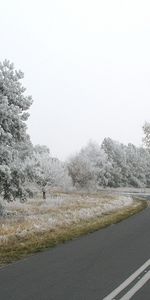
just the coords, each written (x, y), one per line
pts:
(88, 268)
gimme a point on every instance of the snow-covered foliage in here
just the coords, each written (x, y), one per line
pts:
(20, 162)
(13, 136)
(47, 170)
(146, 139)
(89, 167)
(112, 164)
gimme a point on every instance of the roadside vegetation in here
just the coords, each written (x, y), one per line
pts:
(31, 219)
(25, 168)
(39, 224)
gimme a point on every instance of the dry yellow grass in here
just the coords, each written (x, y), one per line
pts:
(21, 235)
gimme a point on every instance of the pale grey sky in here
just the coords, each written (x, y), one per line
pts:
(86, 64)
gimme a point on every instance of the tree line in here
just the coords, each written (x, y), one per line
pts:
(23, 166)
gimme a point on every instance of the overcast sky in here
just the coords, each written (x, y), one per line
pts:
(86, 64)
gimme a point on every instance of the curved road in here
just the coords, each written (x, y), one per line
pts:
(88, 268)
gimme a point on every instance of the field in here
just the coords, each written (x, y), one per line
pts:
(37, 224)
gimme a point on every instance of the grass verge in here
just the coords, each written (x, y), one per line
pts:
(17, 247)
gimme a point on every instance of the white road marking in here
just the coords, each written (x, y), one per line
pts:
(136, 287)
(122, 286)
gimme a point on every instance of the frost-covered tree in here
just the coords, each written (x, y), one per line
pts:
(99, 164)
(80, 170)
(13, 114)
(42, 171)
(89, 168)
(138, 161)
(48, 171)
(116, 154)
(146, 139)
(112, 164)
